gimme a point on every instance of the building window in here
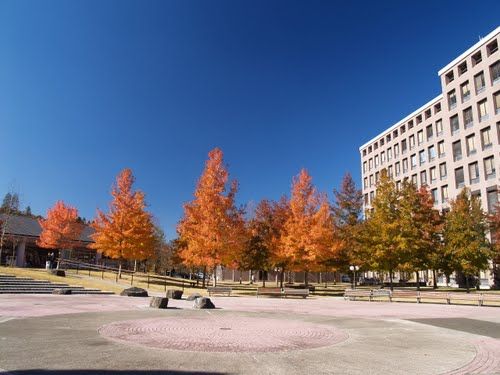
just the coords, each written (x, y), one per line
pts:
(468, 117)
(364, 167)
(420, 137)
(372, 196)
(421, 157)
(370, 164)
(496, 100)
(413, 159)
(365, 182)
(414, 179)
(366, 199)
(389, 154)
(376, 161)
(382, 157)
(388, 138)
(442, 171)
(441, 152)
(479, 82)
(449, 77)
(439, 127)
(474, 173)
(437, 108)
(397, 168)
(377, 177)
(471, 145)
(492, 47)
(423, 178)
(381, 142)
(403, 146)
(432, 153)
(428, 114)
(389, 171)
(444, 193)
(462, 68)
(457, 151)
(405, 165)
(396, 151)
(492, 199)
(476, 58)
(489, 167)
(432, 173)
(429, 133)
(495, 73)
(452, 99)
(486, 138)
(434, 194)
(482, 110)
(459, 178)
(454, 125)
(412, 141)
(465, 91)
(371, 180)
(419, 119)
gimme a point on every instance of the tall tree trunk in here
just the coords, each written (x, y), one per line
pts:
(478, 283)
(320, 278)
(390, 280)
(135, 265)
(417, 278)
(263, 279)
(282, 277)
(120, 269)
(234, 276)
(215, 277)
(467, 283)
(204, 276)
(434, 279)
(306, 278)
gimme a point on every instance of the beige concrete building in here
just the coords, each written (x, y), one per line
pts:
(450, 142)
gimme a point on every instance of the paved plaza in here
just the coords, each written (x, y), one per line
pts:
(49, 334)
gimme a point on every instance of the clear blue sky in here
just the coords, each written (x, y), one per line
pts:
(90, 87)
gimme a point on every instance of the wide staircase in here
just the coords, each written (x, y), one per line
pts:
(24, 285)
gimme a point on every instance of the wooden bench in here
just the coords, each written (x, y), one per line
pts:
(381, 293)
(352, 294)
(304, 293)
(404, 294)
(212, 290)
(489, 297)
(440, 296)
(477, 298)
(275, 292)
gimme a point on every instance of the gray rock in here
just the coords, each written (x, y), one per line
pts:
(134, 292)
(174, 294)
(203, 303)
(193, 296)
(61, 291)
(58, 272)
(159, 302)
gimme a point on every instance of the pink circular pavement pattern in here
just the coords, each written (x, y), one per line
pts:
(212, 333)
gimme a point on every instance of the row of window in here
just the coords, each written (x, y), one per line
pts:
(476, 58)
(412, 142)
(479, 83)
(465, 93)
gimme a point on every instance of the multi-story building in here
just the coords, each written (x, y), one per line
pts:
(451, 142)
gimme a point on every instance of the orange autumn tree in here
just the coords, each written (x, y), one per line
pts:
(60, 230)
(308, 234)
(126, 232)
(212, 228)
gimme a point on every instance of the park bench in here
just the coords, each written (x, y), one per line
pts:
(477, 298)
(304, 293)
(380, 293)
(212, 290)
(404, 294)
(433, 296)
(275, 292)
(352, 294)
(488, 297)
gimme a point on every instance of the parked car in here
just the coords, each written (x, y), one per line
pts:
(345, 279)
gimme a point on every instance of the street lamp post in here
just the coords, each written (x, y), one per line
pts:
(354, 269)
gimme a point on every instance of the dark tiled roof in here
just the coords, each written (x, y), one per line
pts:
(29, 226)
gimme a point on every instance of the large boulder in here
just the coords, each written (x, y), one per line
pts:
(203, 303)
(61, 291)
(174, 294)
(159, 302)
(193, 296)
(134, 292)
(57, 272)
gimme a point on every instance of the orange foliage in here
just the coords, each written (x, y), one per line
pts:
(308, 239)
(127, 231)
(212, 227)
(60, 230)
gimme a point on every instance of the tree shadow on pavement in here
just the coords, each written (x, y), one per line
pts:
(106, 372)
